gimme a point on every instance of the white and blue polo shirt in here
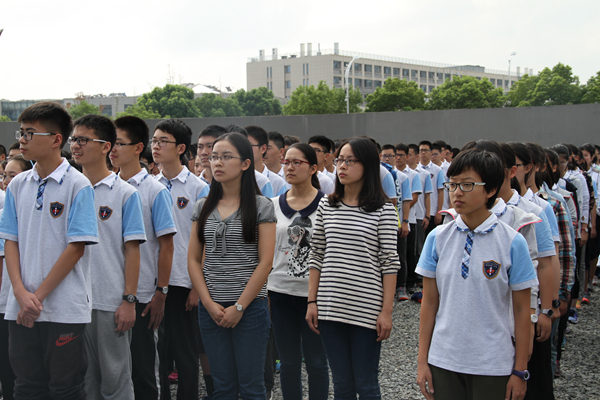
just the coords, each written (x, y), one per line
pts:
(278, 184)
(120, 220)
(427, 188)
(157, 206)
(415, 187)
(67, 216)
(387, 181)
(327, 186)
(185, 189)
(264, 184)
(437, 180)
(5, 288)
(473, 333)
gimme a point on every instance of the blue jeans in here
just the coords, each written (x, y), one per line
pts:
(353, 354)
(294, 339)
(237, 355)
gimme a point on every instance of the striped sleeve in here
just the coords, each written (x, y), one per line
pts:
(387, 233)
(317, 243)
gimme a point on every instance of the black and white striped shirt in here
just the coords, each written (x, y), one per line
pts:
(353, 249)
(230, 261)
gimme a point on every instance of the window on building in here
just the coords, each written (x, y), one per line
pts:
(447, 76)
(423, 88)
(431, 75)
(337, 80)
(346, 64)
(287, 69)
(368, 83)
(303, 69)
(493, 81)
(288, 84)
(413, 73)
(423, 74)
(106, 110)
(357, 82)
(387, 70)
(506, 83)
(349, 81)
(307, 71)
(267, 72)
(478, 78)
(271, 72)
(368, 68)
(396, 71)
(377, 84)
(337, 65)
(358, 67)
(440, 76)
(404, 72)
(378, 69)
(431, 88)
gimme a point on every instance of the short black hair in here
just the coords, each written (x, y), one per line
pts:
(215, 131)
(289, 140)
(414, 147)
(425, 143)
(389, 147)
(486, 164)
(322, 141)
(180, 131)
(236, 129)
(258, 134)
(435, 146)
(492, 147)
(277, 138)
(2, 150)
(14, 146)
(135, 128)
(440, 143)
(102, 126)
(54, 117)
(455, 152)
(401, 147)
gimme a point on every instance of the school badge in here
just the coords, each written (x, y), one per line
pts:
(105, 212)
(56, 209)
(491, 269)
(182, 202)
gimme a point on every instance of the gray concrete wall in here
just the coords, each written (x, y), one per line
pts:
(576, 124)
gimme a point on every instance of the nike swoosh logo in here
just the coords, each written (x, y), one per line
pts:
(63, 341)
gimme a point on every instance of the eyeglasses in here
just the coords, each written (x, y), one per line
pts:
(224, 158)
(118, 145)
(424, 150)
(435, 154)
(6, 178)
(29, 135)
(519, 165)
(82, 141)
(349, 161)
(318, 150)
(388, 156)
(296, 163)
(161, 143)
(464, 186)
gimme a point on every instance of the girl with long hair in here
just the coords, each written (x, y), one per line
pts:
(229, 258)
(353, 267)
(296, 212)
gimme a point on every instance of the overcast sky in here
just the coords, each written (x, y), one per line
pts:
(54, 49)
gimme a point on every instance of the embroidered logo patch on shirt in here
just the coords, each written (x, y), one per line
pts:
(56, 209)
(182, 202)
(491, 269)
(105, 213)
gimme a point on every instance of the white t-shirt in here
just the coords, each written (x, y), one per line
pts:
(437, 181)
(327, 186)
(427, 188)
(277, 182)
(415, 187)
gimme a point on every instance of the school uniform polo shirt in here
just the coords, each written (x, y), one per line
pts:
(120, 220)
(403, 192)
(185, 189)
(327, 186)
(472, 332)
(277, 182)
(331, 175)
(157, 206)
(427, 188)
(2, 196)
(264, 184)
(387, 181)
(445, 166)
(5, 288)
(67, 216)
(415, 187)
(437, 180)
(547, 209)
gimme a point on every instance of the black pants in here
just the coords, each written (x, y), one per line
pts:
(7, 376)
(178, 342)
(49, 360)
(401, 246)
(144, 356)
(270, 361)
(539, 385)
(411, 254)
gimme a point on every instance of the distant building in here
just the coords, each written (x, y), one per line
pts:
(282, 74)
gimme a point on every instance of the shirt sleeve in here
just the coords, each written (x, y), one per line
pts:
(82, 225)
(133, 219)
(544, 237)
(265, 210)
(197, 208)
(317, 243)
(553, 222)
(204, 192)
(406, 192)
(521, 274)
(8, 221)
(388, 186)
(428, 186)
(440, 179)
(416, 185)
(427, 265)
(267, 190)
(387, 235)
(162, 214)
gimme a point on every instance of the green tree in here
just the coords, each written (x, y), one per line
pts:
(396, 94)
(4, 118)
(260, 101)
(556, 86)
(140, 111)
(466, 92)
(172, 101)
(306, 100)
(83, 108)
(591, 91)
(211, 105)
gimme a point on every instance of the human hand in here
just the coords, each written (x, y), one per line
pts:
(516, 388)
(125, 316)
(312, 317)
(156, 308)
(231, 317)
(425, 380)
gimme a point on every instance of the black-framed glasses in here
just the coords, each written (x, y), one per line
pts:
(29, 135)
(318, 150)
(424, 150)
(118, 145)
(224, 158)
(519, 165)
(295, 163)
(161, 142)
(349, 161)
(464, 186)
(388, 156)
(82, 141)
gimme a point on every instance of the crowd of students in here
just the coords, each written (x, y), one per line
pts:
(136, 256)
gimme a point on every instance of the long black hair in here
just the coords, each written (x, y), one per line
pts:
(371, 196)
(248, 191)
(311, 156)
(523, 153)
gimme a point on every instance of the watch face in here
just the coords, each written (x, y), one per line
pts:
(131, 298)
(534, 318)
(525, 375)
(239, 307)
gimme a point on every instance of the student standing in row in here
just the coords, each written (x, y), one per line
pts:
(353, 276)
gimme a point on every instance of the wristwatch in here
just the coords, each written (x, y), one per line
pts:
(130, 298)
(534, 318)
(524, 375)
(548, 311)
(239, 307)
(405, 221)
(163, 290)
(556, 303)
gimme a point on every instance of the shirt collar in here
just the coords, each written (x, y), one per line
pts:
(426, 166)
(305, 212)
(528, 195)
(108, 181)
(486, 227)
(182, 177)
(265, 171)
(515, 199)
(201, 176)
(138, 178)
(500, 207)
(58, 174)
